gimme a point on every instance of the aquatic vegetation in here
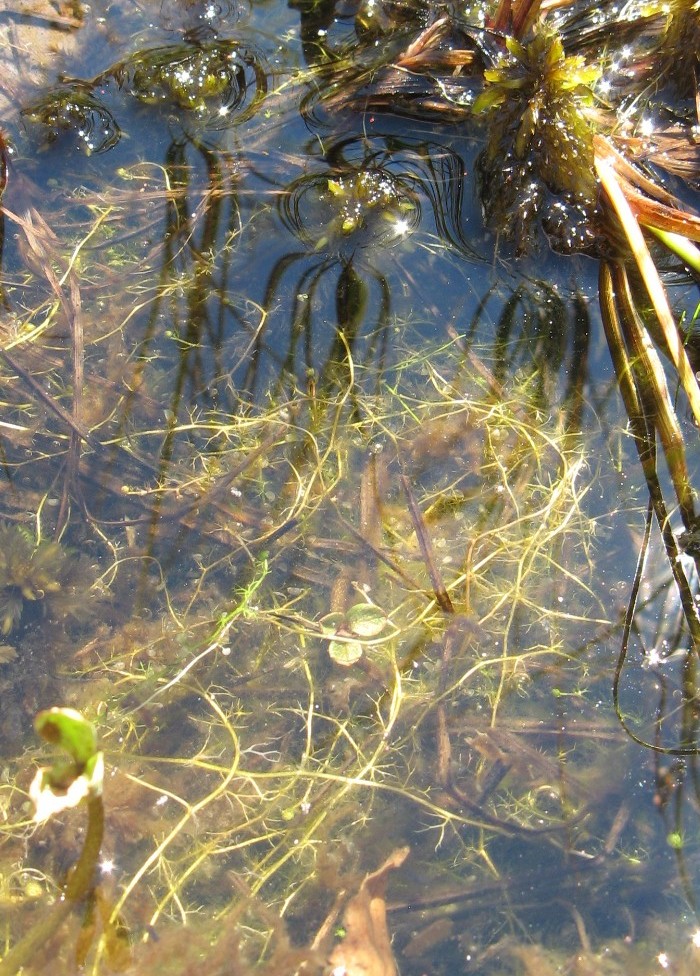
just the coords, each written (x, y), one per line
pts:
(333, 443)
(59, 787)
(538, 161)
(78, 111)
(359, 196)
(671, 950)
(264, 791)
(362, 621)
(39, 580)
(679, 47)
(365, 196)
(220, 82)
(562, 101)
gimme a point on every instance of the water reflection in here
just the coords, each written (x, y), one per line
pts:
(201, 20)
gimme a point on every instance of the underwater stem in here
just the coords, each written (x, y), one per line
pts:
(77, 887)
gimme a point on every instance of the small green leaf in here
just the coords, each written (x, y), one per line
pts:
(332, 622)
(488, 99)
(65, 727)
(516, 49)
(555, 54)
(345, 652)
(365, 620)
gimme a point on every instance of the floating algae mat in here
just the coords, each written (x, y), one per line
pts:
(348, 533)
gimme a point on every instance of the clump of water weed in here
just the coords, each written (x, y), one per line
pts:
(38, 579)
(74, 111)
(680, 47)
(538, 159)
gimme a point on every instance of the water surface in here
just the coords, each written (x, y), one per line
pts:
(319, 500)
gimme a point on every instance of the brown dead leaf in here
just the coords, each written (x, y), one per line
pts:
(366, 948)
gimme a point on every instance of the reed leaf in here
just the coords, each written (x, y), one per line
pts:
(650, 275)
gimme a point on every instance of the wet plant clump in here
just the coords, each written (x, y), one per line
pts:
(75, 110)
(39, 580)
(364, 193)
(351, 208)
(538, 161)
(680, 48)
(217, 84)
(212, 81)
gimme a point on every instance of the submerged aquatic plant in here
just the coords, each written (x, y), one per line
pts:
(220, 82)
(275, 756)
(259, 740)
(562, 96)
(76, 110)
(538, 161)
(364, 197)
(680, 48)
(55, 789)
(42, 577)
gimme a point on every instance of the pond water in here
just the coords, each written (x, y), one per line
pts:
(321, 503)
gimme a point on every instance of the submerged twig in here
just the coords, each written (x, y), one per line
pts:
(49, 401)
(441, 595)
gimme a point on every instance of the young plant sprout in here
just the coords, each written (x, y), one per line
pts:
(66, 783)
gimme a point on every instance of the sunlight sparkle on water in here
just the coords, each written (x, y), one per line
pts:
(401, 227)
